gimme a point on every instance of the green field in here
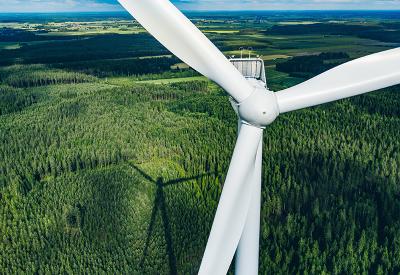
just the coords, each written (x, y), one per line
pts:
(112, 158)
(9, 46)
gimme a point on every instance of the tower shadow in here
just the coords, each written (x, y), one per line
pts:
(160, 204)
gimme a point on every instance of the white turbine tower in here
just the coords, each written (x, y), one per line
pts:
(237, 220)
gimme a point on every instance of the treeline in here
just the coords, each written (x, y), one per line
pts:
(33, 76)
(100, 47)
(18, 35)
(168, 74)
(320, 28)
(311, 65)
(384, 35)
(121, 67)
(375, 32)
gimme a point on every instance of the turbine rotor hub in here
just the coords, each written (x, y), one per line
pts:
(260, 109)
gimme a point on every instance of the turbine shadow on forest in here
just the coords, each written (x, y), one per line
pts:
(160, 204)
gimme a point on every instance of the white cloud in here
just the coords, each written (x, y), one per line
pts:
(56, 6)
(112, 5)
(288, 4)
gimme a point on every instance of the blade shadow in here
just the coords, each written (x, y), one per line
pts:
(160, 204)
(141, 172)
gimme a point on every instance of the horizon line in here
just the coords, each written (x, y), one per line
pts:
(200, 11)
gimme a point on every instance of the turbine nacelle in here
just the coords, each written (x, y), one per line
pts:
(260, 109)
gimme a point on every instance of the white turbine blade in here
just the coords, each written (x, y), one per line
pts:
(169, 26)
(234, 204)
(247, 254)
(363, 75)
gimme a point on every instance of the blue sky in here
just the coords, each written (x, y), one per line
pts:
(112, 5)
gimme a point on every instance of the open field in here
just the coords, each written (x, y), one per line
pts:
(113, 152)
(132, 81)
(174, 80)
(9, 46)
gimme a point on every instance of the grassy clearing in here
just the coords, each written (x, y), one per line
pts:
(315, 44)
(179, 66)
(173, 80)
(131, 81)
(121, 81)
(9, 45)
(221, 31)
(94, 32)
(275, 56)
(155, 56)
(278, 81)
(20, 26)
(298, 23)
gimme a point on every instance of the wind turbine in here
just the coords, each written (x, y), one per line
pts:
(237, 220)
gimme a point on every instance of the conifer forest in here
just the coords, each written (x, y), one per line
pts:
(113, 153)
